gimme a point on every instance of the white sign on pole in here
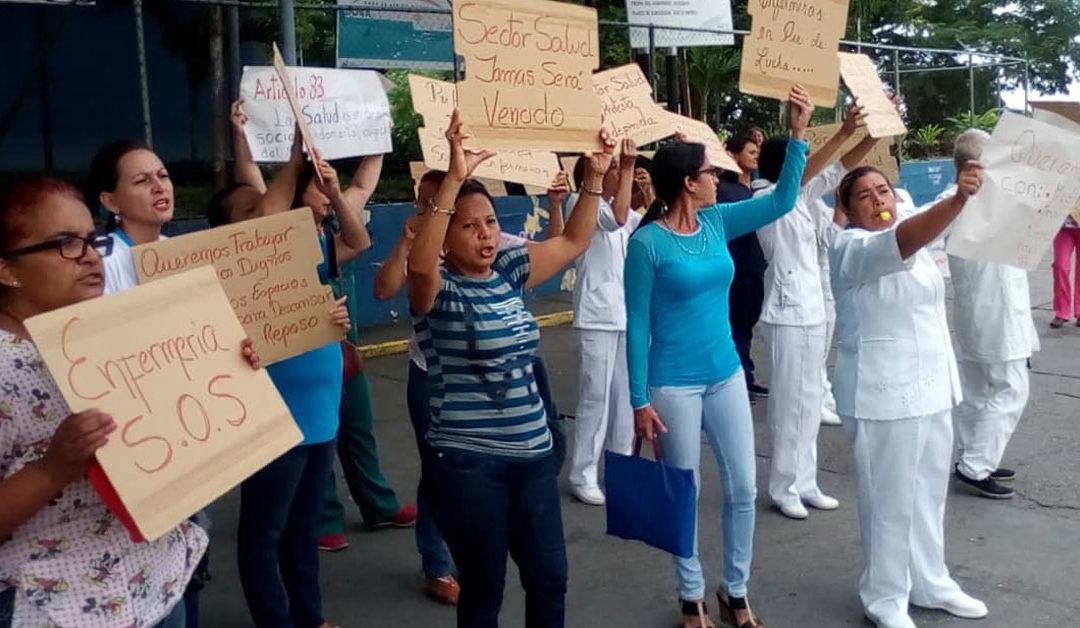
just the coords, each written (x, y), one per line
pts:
(700, 14)
(1030, 183)
(347, 111)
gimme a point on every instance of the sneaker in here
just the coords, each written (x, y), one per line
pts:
(405, 517)
(1003, 475)
(829, 417)
(332, 542)
(959, 604)
(1058, 323)
(987, 488)
(897, 621)
(794, 511)
(821, 501)
(586, 494)
(758, 390)
(444, 589)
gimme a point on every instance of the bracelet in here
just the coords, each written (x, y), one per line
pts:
(436, 210)
(594, 192)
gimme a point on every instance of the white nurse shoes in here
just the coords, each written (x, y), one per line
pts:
(588, 494)
(821, 501)
(829, 417)
(896, 621)
(794, 510)
(959, 604)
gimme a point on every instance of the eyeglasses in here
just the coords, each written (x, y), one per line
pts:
(70, 247)
(714, 171)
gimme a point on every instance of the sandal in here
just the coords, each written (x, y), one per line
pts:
(728, 608)
(695, 615)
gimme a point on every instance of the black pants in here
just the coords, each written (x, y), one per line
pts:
(744, 308)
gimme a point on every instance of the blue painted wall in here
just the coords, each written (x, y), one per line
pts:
(526, 215)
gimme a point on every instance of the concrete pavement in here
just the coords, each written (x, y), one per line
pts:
(1019, 556)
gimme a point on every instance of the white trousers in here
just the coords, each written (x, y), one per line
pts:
(828, 401)
(794, 409)
(902, 478)
(603, 410)
(994, 398)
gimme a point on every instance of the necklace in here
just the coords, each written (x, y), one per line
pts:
(678, 240)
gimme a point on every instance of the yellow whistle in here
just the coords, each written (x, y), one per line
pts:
(885, 215)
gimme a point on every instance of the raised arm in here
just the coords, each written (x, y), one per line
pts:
(822, 157)
(279, 196)
(627, 158)
(424, 279)
(353, 238)
(556, 194)
(245, 170)
(364, 181)
(391, 276)
(922, 229)
(550, 256)
(750, 215)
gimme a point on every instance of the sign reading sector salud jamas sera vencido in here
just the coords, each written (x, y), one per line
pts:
(193, 418)
(1030, 183)
(347, 112)
(528, 74)
(268, 268)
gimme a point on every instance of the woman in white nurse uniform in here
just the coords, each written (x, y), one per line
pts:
(895, 384)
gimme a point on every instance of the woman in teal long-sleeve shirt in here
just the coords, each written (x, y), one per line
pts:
(684, 371)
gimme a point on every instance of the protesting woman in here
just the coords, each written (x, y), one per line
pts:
(490, 467)
(685, 373)
(55, 532)
(895, 384)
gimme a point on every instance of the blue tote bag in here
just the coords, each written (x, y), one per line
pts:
(650, 501)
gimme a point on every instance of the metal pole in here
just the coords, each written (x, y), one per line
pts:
(288, 31)
(1027, 85)
(896, 71)
(652, 58)
(673, 80)
(232, 27)
(971, 82)
(144, 82)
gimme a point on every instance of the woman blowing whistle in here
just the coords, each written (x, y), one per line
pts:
(896, 382)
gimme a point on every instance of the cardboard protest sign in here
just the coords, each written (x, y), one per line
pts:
(346, 111)
(194, 419)
(268, 268)
(793, 42)
(698, 131)
(294, 103)
(1030, 183)
(434, 100)
(628, 106)
(418, 169)
(528, 74)
(880, 156)
(861, 77)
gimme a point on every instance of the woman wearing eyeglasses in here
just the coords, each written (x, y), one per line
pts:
(490, 471)
(54, 529)
(685, 373)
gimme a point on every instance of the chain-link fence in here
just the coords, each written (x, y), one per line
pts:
(82, 75)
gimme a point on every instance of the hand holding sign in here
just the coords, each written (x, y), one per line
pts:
(800, 110)
(969, 180)
(74, 443)
(463, 161)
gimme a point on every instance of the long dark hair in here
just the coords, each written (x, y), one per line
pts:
(218, 209)
(847, 184)
(670, 167)
(771, 161)
(736, 143)
(105, 173)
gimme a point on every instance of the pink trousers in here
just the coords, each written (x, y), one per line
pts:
(1066, 300)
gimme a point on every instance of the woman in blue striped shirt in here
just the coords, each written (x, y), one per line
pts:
(490, 471)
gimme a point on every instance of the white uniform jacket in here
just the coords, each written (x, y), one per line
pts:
(991, 309)
(894, 355)
(793, 291)
(598, 284)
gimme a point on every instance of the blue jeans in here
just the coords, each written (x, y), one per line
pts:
(276, 547)
(434, 556)
(723, 410)
(488, 507)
